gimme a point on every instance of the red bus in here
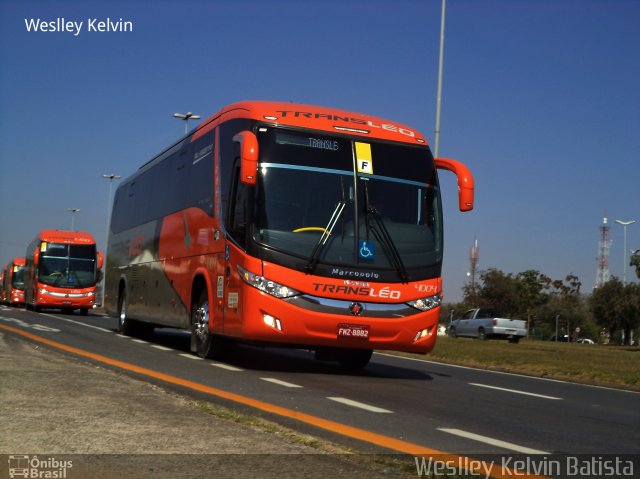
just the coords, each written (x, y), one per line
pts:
(285, 224)
(62, 270)
(13, 282)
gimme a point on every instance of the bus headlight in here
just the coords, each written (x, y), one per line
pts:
(263, 284)
(425, 304)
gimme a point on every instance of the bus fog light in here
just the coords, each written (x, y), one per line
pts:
(272, 322)
(423, 333)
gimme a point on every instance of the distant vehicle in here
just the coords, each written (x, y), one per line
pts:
(585, 341)
(13, 282)
(286, 224)
(484, 323)
(62, 269)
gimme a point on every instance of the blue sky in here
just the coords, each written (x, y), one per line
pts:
(541, 100)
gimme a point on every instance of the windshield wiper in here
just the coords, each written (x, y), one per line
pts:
(326, 233)
(383, 236)
(335, 216)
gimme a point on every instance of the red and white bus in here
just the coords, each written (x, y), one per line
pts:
(13, 282)
(62, 270)
(285, 224)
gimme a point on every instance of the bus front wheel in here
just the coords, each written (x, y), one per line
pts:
(203, 342)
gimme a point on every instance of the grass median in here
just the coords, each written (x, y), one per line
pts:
(600, 365)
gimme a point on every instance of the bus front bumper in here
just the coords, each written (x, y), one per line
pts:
(312, 321)
(49, 298)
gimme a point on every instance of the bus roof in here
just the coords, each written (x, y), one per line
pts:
(66, 237)
(21, 261)
(326, 119)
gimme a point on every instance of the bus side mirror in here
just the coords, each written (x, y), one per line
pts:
(36, 256)
(248, 156)
(100, 259)
(465, 181)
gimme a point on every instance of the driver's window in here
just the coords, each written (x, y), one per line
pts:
(239, 212)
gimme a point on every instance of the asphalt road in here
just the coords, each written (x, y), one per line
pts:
(394, 405)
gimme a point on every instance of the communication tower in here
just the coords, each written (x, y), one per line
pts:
(602, 275)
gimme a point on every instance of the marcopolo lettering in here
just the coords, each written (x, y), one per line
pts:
(346, 119)
(354, 274)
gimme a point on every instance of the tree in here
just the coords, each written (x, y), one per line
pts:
(532, 286)
(635, 261)
(498, 290)
(617, 307)
(630, 312)
(565, 301)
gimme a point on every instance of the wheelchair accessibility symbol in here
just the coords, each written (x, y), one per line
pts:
(366, 250)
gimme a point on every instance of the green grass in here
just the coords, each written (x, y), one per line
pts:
(611, 366)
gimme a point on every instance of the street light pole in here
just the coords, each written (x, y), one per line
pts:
(109, 177)
(73, 212)
(186, 117)
(624, 252)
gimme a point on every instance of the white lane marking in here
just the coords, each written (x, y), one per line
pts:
(226, 366)
(141, 341)
(360, 405)
(281, 383)
(161, 348)
(515, 391)
(521, 375)
(37, 327)
(77, 322)
(491, 441)
(190, 356)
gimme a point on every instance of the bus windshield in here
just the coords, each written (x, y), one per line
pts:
(67, 265)
(313, 190)
(18, 277)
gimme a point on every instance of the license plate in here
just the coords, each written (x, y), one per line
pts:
(354, 331)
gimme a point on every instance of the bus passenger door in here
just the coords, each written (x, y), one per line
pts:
(219, 292)
(232, 291)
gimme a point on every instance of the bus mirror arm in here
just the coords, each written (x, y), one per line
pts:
(100, 259)
(465, 181)
(248, 156)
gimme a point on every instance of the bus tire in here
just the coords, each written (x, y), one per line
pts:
(125, 324)
(354, 358)
(203, 343)
(84, 311)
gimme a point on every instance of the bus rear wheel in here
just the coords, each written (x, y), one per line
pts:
(125, 325)
(128, 326)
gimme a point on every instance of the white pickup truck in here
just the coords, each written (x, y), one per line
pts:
(484, 323)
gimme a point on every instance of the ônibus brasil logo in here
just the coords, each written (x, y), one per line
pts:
(35, 467)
